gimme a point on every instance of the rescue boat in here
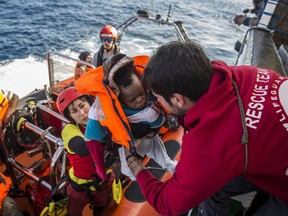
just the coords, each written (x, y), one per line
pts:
(37, 166)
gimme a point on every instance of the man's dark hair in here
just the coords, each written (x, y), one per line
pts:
(123, 76)
(178, 67)
(83, 55)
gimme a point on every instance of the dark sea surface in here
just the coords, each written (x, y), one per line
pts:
(31, 28)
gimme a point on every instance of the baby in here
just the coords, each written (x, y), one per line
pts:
(145, 118)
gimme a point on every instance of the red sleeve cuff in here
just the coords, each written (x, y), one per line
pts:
(143, 176)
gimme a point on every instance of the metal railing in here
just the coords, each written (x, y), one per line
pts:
(143, 15)
(58, 156)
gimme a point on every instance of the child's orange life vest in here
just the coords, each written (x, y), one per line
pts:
(110, 113)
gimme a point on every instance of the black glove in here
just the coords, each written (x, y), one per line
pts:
(17, 118)
(25, 137)
(173, 122)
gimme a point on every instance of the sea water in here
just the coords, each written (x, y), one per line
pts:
(31, 28)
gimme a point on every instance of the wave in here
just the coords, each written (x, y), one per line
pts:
(22, 76)
(23, 67)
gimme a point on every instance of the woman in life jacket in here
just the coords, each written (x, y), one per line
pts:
(84, 185)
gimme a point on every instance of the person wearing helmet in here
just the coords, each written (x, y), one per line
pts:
(84, 186)
(108, 36)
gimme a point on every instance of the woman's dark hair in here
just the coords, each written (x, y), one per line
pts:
(178, 67)
(66, 112)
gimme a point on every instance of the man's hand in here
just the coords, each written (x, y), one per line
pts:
(239, 19)
(133, 163)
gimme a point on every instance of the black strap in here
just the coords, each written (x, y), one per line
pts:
(108, 138)
(100, 57)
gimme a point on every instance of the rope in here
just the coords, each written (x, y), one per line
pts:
(244, 138)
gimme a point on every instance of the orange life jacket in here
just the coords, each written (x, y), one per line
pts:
(110, 73)
(3, 105)
(5, 184)
(110, 113)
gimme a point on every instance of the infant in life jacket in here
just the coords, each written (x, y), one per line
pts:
(143, 113)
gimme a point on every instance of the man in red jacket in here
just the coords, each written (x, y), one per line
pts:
(237, 132)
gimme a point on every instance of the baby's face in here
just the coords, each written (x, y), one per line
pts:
(134, 95)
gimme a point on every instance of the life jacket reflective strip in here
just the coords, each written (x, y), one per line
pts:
(110, 113)
(5, 184)
(3, 105)
(80, 181)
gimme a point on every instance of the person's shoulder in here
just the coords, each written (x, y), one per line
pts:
(121, 51)
(96, 54)
(69, 128)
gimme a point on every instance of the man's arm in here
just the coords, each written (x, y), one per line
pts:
(247, 21)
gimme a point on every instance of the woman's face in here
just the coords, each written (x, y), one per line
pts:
(79, 110)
